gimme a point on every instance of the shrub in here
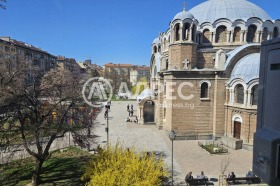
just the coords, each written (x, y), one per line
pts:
(120, 166)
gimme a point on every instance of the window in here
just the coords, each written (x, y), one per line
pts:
(186, 31)
(206, 36)
(221, 36)
(166, 65)
(239, 94)
(177, 33)
(236, 34)
(164, 113)
(254, 95)
(251, 35)
(204, 90)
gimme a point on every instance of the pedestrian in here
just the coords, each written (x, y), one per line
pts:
(127, 107)
(136, 120)
(188, 177)
(131, 107)
(131, 112)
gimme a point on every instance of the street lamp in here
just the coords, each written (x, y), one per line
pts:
(172, 136)
(107, 128)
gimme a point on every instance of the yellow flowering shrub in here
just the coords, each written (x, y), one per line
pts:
(117, 166)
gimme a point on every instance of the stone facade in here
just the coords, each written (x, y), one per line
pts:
(205, 74)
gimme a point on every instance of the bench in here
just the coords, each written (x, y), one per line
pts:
(197, 181)
(241, 180)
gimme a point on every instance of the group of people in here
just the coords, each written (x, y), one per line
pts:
(130, 110)
(130, 114)
(190, 177)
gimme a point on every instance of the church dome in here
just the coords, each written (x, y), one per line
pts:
(156, 41)
(247, 68)
(212, 10)
(183, 15)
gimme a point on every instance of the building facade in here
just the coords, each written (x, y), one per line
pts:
(139, 72)
(205, 69)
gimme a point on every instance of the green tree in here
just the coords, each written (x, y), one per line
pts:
(142, 87)
(120, 166)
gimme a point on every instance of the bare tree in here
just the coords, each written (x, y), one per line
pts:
(224, 165)
(36, 109)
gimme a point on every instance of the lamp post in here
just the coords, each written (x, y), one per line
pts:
(107, 128)
(172, 136)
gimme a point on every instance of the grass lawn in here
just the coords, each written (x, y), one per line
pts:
(62, 168)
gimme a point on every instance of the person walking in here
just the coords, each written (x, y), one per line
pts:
(131, 107)
(127, 108)
(131, 112)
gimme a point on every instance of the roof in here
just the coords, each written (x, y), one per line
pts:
(212, 10)
(183, 15)
(247, 68)
(156, 41)
(117, 65)
(145, 93)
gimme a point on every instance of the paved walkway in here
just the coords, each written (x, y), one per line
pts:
(188, 156)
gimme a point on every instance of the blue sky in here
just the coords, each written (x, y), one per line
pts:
(119, 31)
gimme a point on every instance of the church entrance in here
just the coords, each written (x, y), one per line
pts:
(237, 129)
(149, 112)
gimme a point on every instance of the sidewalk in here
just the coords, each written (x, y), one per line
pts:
(188, 156)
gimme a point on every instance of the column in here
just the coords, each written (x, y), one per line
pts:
(181, 34)
(245, 97)
(190, 34)
(214, 37)
(241, 36)
(231, 95)
(201, 38)
(231, 36)
(258, 36)
(249, 98)
(228, 35)
(245, 36)
(261, 36)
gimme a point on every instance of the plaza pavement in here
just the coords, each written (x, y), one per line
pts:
(188, 156)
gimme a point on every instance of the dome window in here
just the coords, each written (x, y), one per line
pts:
(254, 95)
(155, 49)
(251, 35)
(236, 34)
(239, 94)
(204, 90)
(177, 32)
(206, 36)
(221, 36)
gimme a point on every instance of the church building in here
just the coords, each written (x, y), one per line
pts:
(205, 69)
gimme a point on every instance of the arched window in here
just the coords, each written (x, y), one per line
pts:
(221, 34)
(204, 90)
(159, 48)
(167, 63)
(206, 36)
(251, 35)
(186, 30)
(155, 49)
(275, 32)
(265, 34)
(239, 94)
(254, 95)
(177, 33)
(236, 34)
